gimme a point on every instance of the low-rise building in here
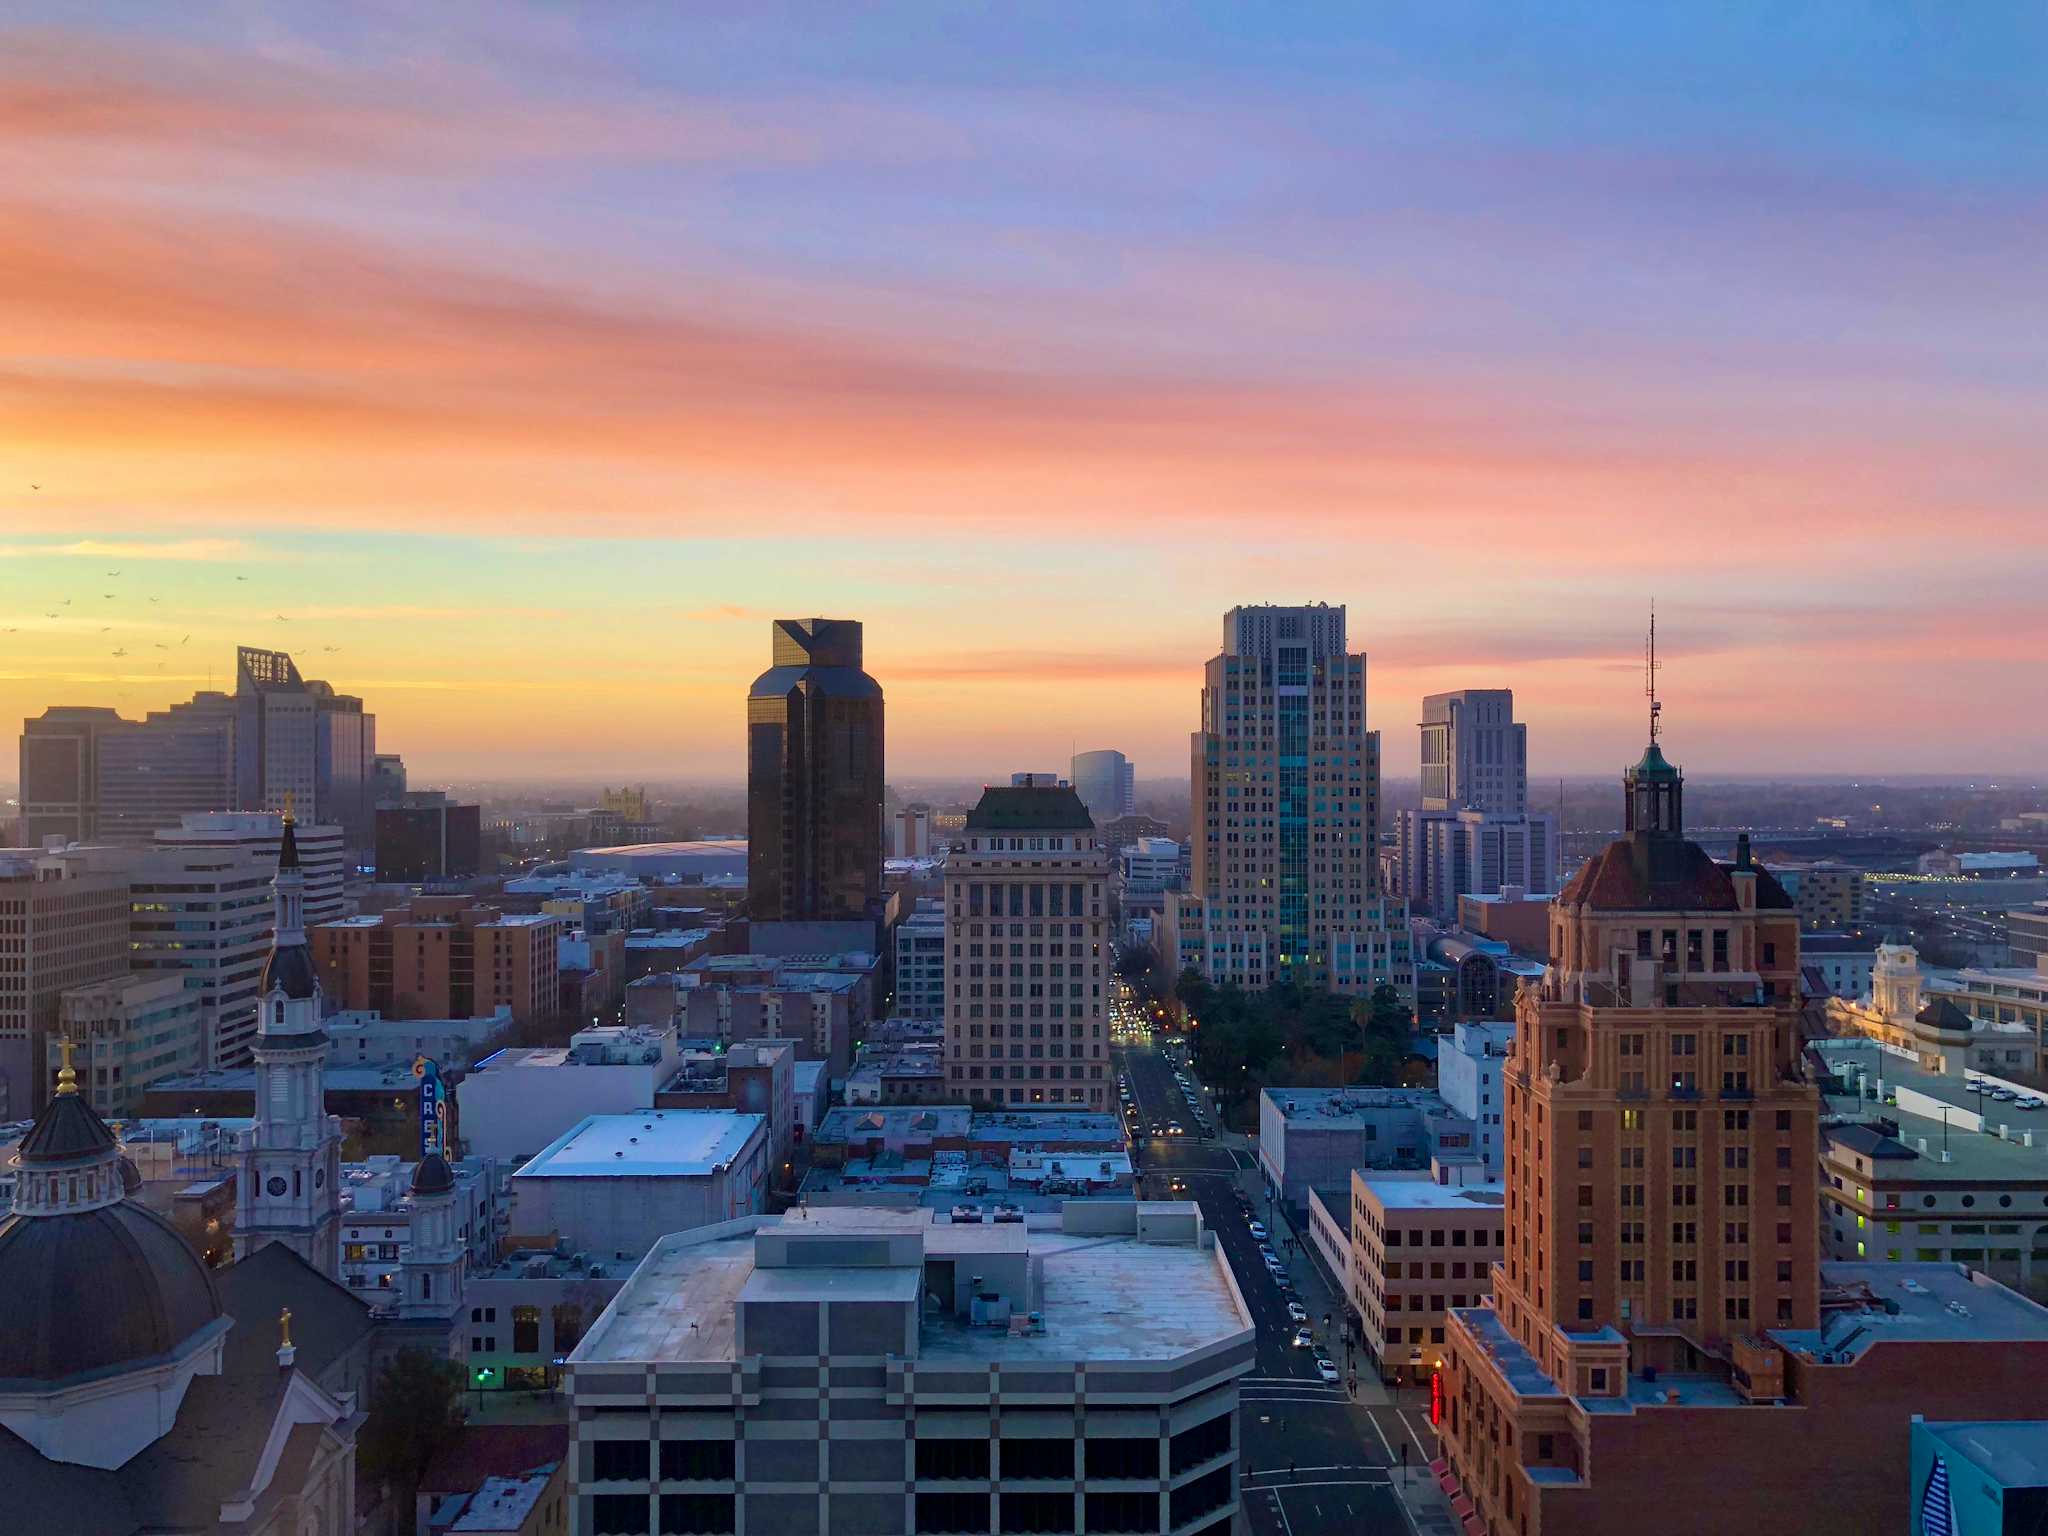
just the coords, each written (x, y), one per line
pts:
(2003, 1012)
(887, 1074)
(365, 1038)
(442, 957)
(1826, 895)
(1311, 1138)
(757, 1077)
(376, 1221)
(126, 1033)
(1421, 1243)
(516, 1101)
(1516, 917)
(614, 1184)
(985, 1377)
(1844, 962)
(821, 999)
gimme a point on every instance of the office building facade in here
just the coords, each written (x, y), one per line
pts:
(814, 778)
(1106, 783)
(1285, 799)
(63, 924)
(1474, 754)
(427, 837)
(1027, 952)
(127, 1032)
(921, 963)
(442, 957)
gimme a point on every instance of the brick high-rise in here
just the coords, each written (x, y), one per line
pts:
(1027, 957)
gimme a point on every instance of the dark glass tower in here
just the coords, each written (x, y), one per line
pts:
(814, 778)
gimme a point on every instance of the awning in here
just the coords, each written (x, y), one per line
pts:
(1440, 1466)
(1463, 1507)
(1448, 1481)
(1474, 1526)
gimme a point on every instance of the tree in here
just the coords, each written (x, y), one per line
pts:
(1191, 989)
(416, 1409)
(1384, 1025)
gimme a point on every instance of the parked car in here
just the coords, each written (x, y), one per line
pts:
(1303, 1339)
(1296, 1312)
(1326, 1368)
(1258, 1231)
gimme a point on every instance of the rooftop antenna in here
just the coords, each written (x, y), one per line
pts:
(1650, 674)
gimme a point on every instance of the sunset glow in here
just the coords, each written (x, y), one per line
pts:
(516, 377)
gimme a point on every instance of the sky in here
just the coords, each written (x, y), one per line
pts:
(516, 367)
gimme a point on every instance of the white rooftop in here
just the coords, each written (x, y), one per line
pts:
(1423, 1193)
(656, 1143)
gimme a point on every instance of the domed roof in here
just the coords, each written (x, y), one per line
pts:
(151, 1292)
(66, 1131)
(1653, 765)
(433, 1176)
(291, 968)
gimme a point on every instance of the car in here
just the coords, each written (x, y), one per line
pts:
(1326, 1368)
(1274, 1267)
(1173, 1128)
(1296, 1312)
(1158, 1129)
(1177, 1186)
(1266, 1250)
(1258, 1230)
(1303, 1339)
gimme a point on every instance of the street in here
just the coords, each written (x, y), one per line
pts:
(1311, 1459)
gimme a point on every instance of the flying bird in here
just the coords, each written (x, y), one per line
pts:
(281, 618)
(330, 649)
(53, 615)
(181, 642)
(108, 596)
(120, 653)
(105, 627)
(160, 645)
(113, 573)
(65, 604)
(156, 599)
(33, 486)
(241, 578)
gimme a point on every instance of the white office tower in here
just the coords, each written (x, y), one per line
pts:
(1106, 784)
(1285, 878)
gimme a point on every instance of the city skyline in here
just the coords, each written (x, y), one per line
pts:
(684, 326)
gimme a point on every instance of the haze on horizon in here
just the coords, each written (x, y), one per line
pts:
(514, 371)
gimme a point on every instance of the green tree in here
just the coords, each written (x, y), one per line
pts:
(1384, 1027)
(415, 1410)
(1191, 989)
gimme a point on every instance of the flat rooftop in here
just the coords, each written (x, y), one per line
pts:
(1934, 1302)
(1104, 1297)
(2015, 1454)
(1338, 1108)
(649, 1143)
(1424, 1194)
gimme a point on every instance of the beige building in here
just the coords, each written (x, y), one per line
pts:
(63, 924)
(1421, 1243)
(1827, 896)
(1981, 1018)
(128, 1031)
(1285, 783)
(1026, 952)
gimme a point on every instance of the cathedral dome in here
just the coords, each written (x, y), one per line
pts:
(289, 968)
(152, 1292)
(74, 1234)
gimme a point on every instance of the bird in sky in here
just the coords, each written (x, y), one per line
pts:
(156, 599)
(10, 629)
(181, 642)
(241, 578)
(33, 486)
(105, 627)
(108, 596)
(120, 653)
(53, 615)
(113, 573)
(65, 604)
(330, 649)
(160, 645)
(281, 618)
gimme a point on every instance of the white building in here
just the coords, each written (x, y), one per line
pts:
(322, 856)
(1286, 784)
(1468, 1067)
(616, 1184)
(1445, 854)
(377, 1216)
(910, 833)
(921, 962)
(516, 1101)
(1070, 1372)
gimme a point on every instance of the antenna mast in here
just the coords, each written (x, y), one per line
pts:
(1650, 674)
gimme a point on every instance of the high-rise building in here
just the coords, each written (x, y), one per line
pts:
(1661, 1134)
(322, 851)
(1285, 801)
(63, 924)
(921, 963)
(60, 773)
(1106, 784)
(288, 1186)
(178, 762)
(1474, 834)
(426, 836)
(1026, 933)
(814, 778)
(126, 1033)
(1474, 755)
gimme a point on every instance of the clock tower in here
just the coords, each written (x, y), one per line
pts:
(287, 1189)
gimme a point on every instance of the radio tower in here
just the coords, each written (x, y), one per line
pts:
(1650, 674)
